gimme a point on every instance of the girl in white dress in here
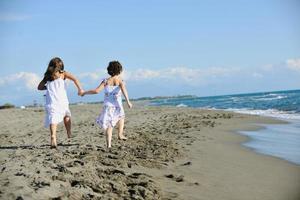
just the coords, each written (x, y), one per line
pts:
(57, 103)
(112, 111)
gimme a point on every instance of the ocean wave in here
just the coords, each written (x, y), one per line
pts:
(181, 105)
(235, 99)
(271, 98)
(272, 94)
(269, 113)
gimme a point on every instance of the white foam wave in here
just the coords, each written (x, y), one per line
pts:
(271, 98)
(269, 113)
(181, 105)
(273, 94)
(235, 99)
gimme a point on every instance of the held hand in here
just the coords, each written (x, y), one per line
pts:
(129, 104)
(81, 92)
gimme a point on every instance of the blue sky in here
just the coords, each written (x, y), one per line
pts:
(167, 47)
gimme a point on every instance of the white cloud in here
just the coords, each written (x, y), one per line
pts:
(293, 64)
(90, 75)
(140, 74)
(179, 73)
(268, 67)
(27, 79)
(190, 76)
(13, 17)
(257, 75)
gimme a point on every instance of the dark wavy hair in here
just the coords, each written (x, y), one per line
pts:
(114, 68)
(55, 65)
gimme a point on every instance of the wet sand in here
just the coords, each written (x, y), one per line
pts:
(171, 153)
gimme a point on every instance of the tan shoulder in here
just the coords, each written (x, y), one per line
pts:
(64, 74)
(120, 81)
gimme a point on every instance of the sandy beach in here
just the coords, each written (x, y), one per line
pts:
(171, 153)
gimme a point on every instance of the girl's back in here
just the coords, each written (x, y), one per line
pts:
(112, 92)
(112, 111)
(56, 94)
(57, 104)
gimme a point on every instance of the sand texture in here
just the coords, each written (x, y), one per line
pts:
(171, 153)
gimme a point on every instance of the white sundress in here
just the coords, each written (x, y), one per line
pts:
(112, 110)
(57, 103)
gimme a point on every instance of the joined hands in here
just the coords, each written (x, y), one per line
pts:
(81, 92)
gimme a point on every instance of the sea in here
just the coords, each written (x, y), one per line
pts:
(279, 140)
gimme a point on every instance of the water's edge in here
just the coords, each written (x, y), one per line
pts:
(266, 140)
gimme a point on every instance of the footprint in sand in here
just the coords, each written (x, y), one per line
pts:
(179, 178)
(37, 184)
(186, 163)
(75, 163)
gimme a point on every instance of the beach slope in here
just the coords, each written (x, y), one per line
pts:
(171, 153)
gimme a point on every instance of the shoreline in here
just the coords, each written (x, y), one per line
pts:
(172, 153)
(257, 127)
(265, 134)
(237, 139)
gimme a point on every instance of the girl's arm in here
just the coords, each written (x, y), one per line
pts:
(76, 82)
(94, 91)
(42, 85)
(124, 91)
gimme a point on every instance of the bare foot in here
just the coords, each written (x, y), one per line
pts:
(108, 150)
(122, 138)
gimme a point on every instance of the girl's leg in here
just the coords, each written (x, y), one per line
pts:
(53, 135)
(108, 136)
(67, 122)
(121, 129)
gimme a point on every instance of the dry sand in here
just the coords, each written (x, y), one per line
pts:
(171, 153)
